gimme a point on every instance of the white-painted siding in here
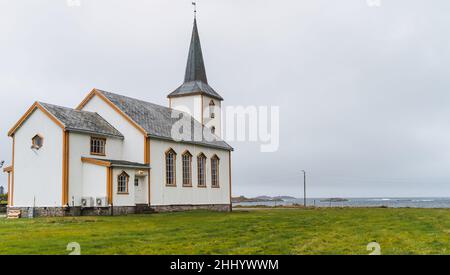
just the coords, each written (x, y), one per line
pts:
(124, 199)
(133, 144)
(94, 181)
(79, 145)
(190, 104)
(38, 173)
(217, 120)
(179, 195)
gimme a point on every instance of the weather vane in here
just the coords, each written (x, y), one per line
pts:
(195, 8)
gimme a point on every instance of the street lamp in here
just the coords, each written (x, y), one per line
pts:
(304, 188)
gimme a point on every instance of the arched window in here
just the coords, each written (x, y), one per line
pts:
(215, 171)
(201, 170)
(171, 158)
(122, 183)
(37, 142)
(211, 109)
(187, 169)
(213, 130)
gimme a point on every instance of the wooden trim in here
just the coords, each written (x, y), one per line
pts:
(146, 150)
(86, 99)
(170, 149)
(109, 184)
(186, 152)
(149, 185)
(9, 188)
(96, 161)
(7, 169)
(229, 176)
(215, 157)
(95, 92)
(127, 186)
(147, 160)
(30, 111)
(11, 191)
(65, 169)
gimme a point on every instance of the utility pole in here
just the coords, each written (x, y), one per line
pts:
(304, 188)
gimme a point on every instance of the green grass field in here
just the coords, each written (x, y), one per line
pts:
(273, 231)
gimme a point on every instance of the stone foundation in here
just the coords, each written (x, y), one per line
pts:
(116, 210)
(180, 208)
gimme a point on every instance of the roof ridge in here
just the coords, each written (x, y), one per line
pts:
(116, 97)
(71, 118)
(133, 98)
(69, 108)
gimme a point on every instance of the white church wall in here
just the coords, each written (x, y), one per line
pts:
(133, 144)
(179, 195)
(80, 147)
(38, 173)
(189, 104)
(217, 120)
(123, 199)
(94, 180)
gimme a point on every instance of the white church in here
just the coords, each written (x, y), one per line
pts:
(116, 155)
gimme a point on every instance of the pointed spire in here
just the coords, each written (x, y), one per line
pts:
(195, 69)
(195, 81)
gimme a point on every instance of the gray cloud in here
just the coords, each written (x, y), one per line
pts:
(363, 92)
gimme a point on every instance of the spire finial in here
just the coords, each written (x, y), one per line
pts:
(194, 3)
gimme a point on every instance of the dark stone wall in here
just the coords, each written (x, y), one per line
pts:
(180, 208)
(116, 210)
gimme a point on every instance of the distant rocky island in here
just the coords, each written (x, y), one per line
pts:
(262, 199)
(334, 200)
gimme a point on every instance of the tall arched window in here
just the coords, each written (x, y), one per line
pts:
(212, 109)
(187, 169)
(122, 183)
(201, 170)
(171, 158)
(215, 171)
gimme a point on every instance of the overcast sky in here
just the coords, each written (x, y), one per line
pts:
(364, 92)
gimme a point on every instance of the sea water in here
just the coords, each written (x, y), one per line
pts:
(363, 202)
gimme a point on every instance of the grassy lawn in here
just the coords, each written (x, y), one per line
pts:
(282, 231)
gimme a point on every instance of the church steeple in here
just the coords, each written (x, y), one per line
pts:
(195, 96)
(195, 80)
(195, 68)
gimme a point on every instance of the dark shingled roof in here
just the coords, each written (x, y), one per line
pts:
(195, 80)
(195, 68)
(158, 120)
(82, 121)
(195, 87)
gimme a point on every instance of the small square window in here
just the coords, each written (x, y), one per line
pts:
(136, 182)
(98, 146)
